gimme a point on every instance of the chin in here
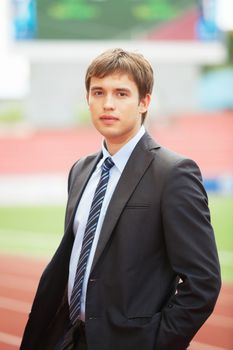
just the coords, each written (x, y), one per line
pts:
(106, 131)
(108, 134)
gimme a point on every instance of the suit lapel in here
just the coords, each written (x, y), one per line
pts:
(81, 177)
(134, 170)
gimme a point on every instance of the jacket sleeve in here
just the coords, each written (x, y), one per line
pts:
(192, 254)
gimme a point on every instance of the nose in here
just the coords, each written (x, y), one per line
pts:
(109, 102)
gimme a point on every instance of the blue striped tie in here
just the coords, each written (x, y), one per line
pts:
(88, 238)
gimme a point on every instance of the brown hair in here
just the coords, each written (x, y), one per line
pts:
(121, 61)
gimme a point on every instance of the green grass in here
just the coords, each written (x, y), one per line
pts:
(31, 230)
(11, 112)
(37, 231)
(221, 208)
(34, 219)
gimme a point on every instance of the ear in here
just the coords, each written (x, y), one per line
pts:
(144, 103)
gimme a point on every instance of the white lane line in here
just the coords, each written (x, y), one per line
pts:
(18, 283)
(41, 189)
(9, 339)
(202, 346)
(15, 305)
(221, 321)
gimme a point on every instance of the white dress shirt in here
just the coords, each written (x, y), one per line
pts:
(120, 159)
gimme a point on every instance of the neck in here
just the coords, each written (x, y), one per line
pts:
(113, 146)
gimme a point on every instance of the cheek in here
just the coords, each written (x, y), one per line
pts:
(132, 110)
(92, 107)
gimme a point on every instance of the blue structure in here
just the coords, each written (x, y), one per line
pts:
(24, 19)
(221, 184)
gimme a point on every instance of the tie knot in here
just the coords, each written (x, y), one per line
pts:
(107, 164)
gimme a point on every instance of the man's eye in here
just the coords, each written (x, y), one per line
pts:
(98, 93)
(122, 94)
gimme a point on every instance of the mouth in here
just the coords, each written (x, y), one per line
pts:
(108, 119)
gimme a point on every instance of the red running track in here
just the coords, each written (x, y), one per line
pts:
(205, 138)
(18, 281)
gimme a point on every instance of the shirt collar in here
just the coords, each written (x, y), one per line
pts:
(122, 156)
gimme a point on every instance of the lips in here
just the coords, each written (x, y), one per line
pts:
(108, 119)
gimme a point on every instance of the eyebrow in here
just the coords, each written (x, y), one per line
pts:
(123, 89)
(96, 88)
(93, 88)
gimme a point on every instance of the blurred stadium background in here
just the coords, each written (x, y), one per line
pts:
(45, 48)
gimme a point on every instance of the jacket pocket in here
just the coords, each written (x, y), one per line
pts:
(144, 319)
(138, 205)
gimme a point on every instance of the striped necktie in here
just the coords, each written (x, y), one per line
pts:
(93, 218)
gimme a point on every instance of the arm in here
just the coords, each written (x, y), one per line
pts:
(192, 254)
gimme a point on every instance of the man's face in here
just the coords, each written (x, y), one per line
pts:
(115, 107)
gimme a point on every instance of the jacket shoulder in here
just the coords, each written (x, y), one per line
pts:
(81, 164)
(168, 163)
(169, 157)
(165, 156)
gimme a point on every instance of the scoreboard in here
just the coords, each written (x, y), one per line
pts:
(92, 19)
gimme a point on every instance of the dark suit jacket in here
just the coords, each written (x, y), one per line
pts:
(156, 231)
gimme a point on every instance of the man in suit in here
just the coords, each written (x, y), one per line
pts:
(149, 277)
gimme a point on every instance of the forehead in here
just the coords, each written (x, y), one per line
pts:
(116, 80)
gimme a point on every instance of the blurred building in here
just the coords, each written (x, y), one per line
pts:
(59, 39)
